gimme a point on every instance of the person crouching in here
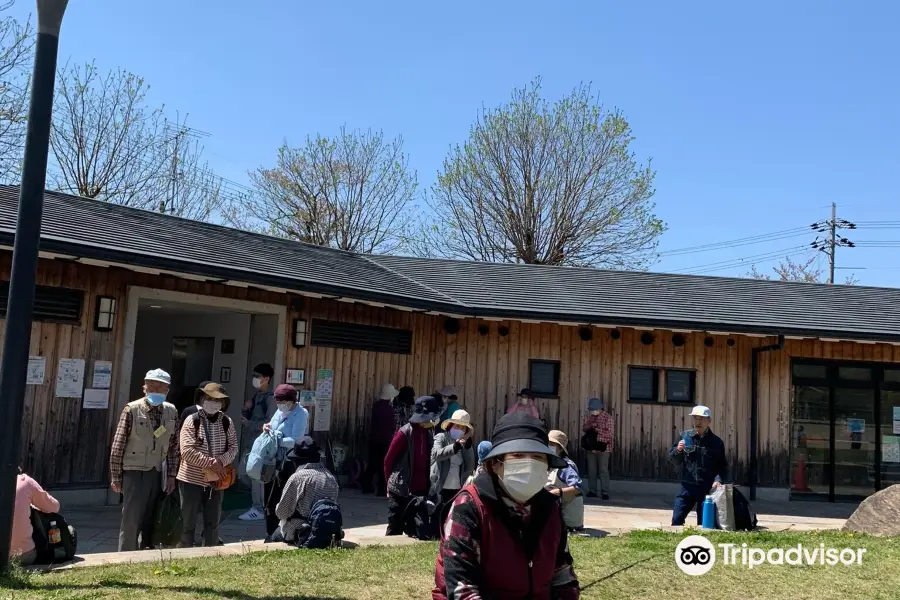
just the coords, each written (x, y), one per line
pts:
(505, 536)
(566, 483)
(311, 482)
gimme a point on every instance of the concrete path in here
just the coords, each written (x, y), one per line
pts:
(365, 522)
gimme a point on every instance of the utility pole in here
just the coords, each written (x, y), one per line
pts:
(829, 246)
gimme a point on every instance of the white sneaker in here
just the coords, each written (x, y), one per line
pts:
(252, 515)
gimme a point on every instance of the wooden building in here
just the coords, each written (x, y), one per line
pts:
(803, 380)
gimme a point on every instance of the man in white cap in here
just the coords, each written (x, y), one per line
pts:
(701, 455)
(144, 447)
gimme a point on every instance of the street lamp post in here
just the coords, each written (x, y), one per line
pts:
(24, 263)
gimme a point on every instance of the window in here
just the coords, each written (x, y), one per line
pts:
(855, 373)
(353, 336)
(804, 371)
(643, 384)
(543, 378)
(680, 386)
(51, 304)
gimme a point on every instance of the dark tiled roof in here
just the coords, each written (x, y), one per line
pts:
(102, 231)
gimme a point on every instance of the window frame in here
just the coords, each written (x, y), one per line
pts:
(656, 373)
(556, 377)
(692, 373)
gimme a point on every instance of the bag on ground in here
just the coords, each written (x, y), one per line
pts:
(425, 517)
(54, 539)
(167, 522)
(325, 526)
(744, 517)
(723, 496)
(261, 460)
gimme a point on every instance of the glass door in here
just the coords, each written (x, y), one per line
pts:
(811, 445)
(890, 428)
(855, 434)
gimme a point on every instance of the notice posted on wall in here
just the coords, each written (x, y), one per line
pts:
(324, 384)
(36, 370)
(896, 420)
(322, 417)
(102, 374)
(307, 399)
(96, 399)
(70, 378)
(890, 449)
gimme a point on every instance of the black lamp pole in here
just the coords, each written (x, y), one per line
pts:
(16, 342)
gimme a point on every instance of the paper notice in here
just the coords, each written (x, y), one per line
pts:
(70, 378)
(96, 399)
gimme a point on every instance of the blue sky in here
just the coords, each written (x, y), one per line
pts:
(757, 115)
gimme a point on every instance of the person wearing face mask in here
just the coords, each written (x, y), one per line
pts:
(566, 483)
(256, 412)
(407, 464)
(702, 468)
(452, 456)
(144, 443)
(288, 425)
(597, 443)
(450, 399)
(381, 433)
(505, 536)
(524, 404)
(208, 445)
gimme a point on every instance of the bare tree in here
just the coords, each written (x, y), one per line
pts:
(193, 190)
(351, 192)
(545, 183)
(16, 54)
(808, 271)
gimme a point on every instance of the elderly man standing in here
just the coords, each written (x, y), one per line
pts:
(143, 448)
(701, 455)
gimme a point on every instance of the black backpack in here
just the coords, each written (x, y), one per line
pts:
(424, 514)
(325, 526)
(744, 517)
(52, 551)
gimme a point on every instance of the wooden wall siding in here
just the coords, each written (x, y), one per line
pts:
(63, 444)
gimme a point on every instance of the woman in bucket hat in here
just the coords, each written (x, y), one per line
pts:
(566, 483)
(452, 455)
(407, 464)
(505, 536)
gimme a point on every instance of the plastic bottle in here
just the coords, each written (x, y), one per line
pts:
(709, 513)
(54, 534)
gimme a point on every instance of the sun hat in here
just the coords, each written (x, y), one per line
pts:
(427, 408)
(700, 411)
(559, 438)
(484, 448)
(304, 449)
(448, 391)
(286, 391)
(595, 404)
(158, 375)
(214, 390)
(459, 417)
(388, 392)
(520, 433)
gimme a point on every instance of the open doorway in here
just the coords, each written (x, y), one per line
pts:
(200, 338)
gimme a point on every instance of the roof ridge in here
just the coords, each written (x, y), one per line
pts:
(368, 257)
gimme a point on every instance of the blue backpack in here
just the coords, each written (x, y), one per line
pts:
(325, 526)
(261, 460)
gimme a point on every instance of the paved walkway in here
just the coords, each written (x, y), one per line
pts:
(365, 522)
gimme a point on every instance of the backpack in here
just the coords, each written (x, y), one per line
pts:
(325, 526)
(261, 460)
(744, 516)
(52, 551)
(425, 518)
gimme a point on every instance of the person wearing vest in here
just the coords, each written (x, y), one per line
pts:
(566, 483)
(452, 456)
(144, 448)
(504, 536)
(406, 466)
(256, 412)
(208, 444)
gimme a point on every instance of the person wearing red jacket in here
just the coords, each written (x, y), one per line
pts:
(505, 536)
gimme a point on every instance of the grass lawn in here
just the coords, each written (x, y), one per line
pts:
(638, 565)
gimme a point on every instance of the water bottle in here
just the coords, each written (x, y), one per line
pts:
(709, 513)
(54, 534)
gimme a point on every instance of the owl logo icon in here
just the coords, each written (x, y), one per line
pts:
(695, 555)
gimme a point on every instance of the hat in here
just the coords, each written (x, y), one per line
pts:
(559, 438)
(264, 369)
(286, 392)
(304, 449)
(158, 375)
(214, 390)
(595, 404)
(427, 408)
(700, 411)
(388, 392)
(459, 417)
(484, 448)
(448, 391)
(525, 393)
(521, 433)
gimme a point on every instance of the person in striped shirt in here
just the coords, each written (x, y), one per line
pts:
(208, 444)
(311, 482)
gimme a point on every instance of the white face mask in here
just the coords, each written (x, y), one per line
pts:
(211, 408)
(256, 383)
(285, 408)
(523, 477)
(595, 412)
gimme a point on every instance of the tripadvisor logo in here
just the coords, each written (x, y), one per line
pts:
(696, 555)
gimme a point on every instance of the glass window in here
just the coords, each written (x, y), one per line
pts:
(892, 375)
(643, 384)
(544, 379)
(680, 386)
(855, 373)
(811, 371)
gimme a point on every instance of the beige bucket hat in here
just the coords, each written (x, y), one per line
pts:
(388, 392)
(459, 417)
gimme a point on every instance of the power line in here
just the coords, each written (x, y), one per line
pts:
(755, 239)
(736, 262)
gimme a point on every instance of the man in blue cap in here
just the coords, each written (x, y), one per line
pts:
(703, 465)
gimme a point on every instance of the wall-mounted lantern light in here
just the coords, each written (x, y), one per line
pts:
(106, 313)
(299, 333)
